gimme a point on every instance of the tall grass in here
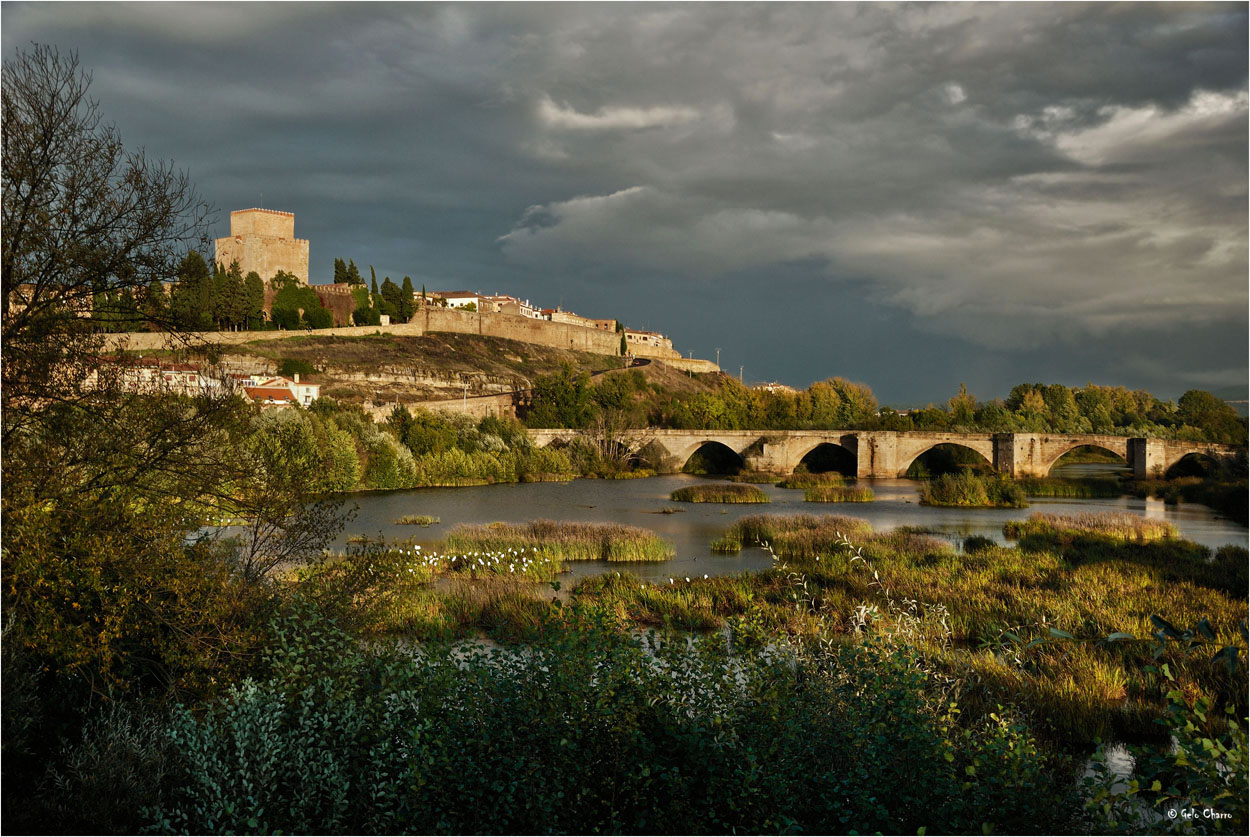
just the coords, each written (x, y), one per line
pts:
(1087, 487)
(417, 520)
(838, 494)
(720, 493)
(565, 541)
(1117, 525)
(970, 490)
(792, 534)
(805, 479)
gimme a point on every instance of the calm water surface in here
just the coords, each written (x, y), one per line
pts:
(639, 502)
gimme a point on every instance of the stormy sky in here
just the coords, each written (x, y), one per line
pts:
(908, 196)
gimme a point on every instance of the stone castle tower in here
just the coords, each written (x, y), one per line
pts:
(264, 240)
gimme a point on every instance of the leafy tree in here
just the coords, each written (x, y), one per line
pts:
(70, 187)
(1214, 416)
(365, 312)
(561, 400)
(963, 407)
(297, 304)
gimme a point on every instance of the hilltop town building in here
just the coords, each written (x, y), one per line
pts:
(264, 240)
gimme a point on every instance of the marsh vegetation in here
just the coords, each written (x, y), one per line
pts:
(719, 493)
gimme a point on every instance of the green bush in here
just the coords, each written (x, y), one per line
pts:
(590, 729)
(970, 490)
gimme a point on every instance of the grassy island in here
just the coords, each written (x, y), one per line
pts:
(838, 494)
(972, 491)
(720, 493)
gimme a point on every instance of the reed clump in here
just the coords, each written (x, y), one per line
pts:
(806, 479)
(757, 477)
(417, 520)
(967, 489)
(720, 493)
(793, 534)
(1116, 525)
(1090, 487)
(565, 541)
(838, 494)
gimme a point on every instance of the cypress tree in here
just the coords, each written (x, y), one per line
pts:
(353, 274)
(340, 272)
(408, 304)
(254, 296)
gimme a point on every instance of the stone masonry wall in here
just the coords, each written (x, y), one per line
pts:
(558, 335)
(264, 240)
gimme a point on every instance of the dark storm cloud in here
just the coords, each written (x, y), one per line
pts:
(1027, 191)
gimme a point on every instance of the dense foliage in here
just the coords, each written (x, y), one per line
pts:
(590, 729)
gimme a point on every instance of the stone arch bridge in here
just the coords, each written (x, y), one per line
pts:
(888, 453)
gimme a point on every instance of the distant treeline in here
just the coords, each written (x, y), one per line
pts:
(570, 400)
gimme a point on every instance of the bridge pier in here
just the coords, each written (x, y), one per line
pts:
(1019, 455)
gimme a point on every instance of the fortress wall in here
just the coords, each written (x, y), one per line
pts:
(266, 256)
(476, 407)
(429, 320)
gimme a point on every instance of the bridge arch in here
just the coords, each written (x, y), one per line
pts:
(907, 458)
(1119, 451)
(1185, 463)
(830, 455)
(713, 457)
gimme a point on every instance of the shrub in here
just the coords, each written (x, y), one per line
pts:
(968, 489)
(590, 729)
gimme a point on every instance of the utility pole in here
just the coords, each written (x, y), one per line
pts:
(739, 374)
(718, 355)
(464, 402)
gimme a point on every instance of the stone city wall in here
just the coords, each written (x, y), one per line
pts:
(430, 320)
(476, 407)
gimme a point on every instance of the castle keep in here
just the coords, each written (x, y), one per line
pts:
(264, 240)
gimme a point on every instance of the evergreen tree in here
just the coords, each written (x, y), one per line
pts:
(233, 301)
(254, 300)
(156, 306)
(340, 272)
(408, 305)
(391, 299)
(192, 294)
(353, 274)
(373, 289)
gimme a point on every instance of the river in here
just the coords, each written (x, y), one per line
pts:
(639, 503)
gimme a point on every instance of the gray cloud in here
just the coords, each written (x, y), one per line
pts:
(1021, 181)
